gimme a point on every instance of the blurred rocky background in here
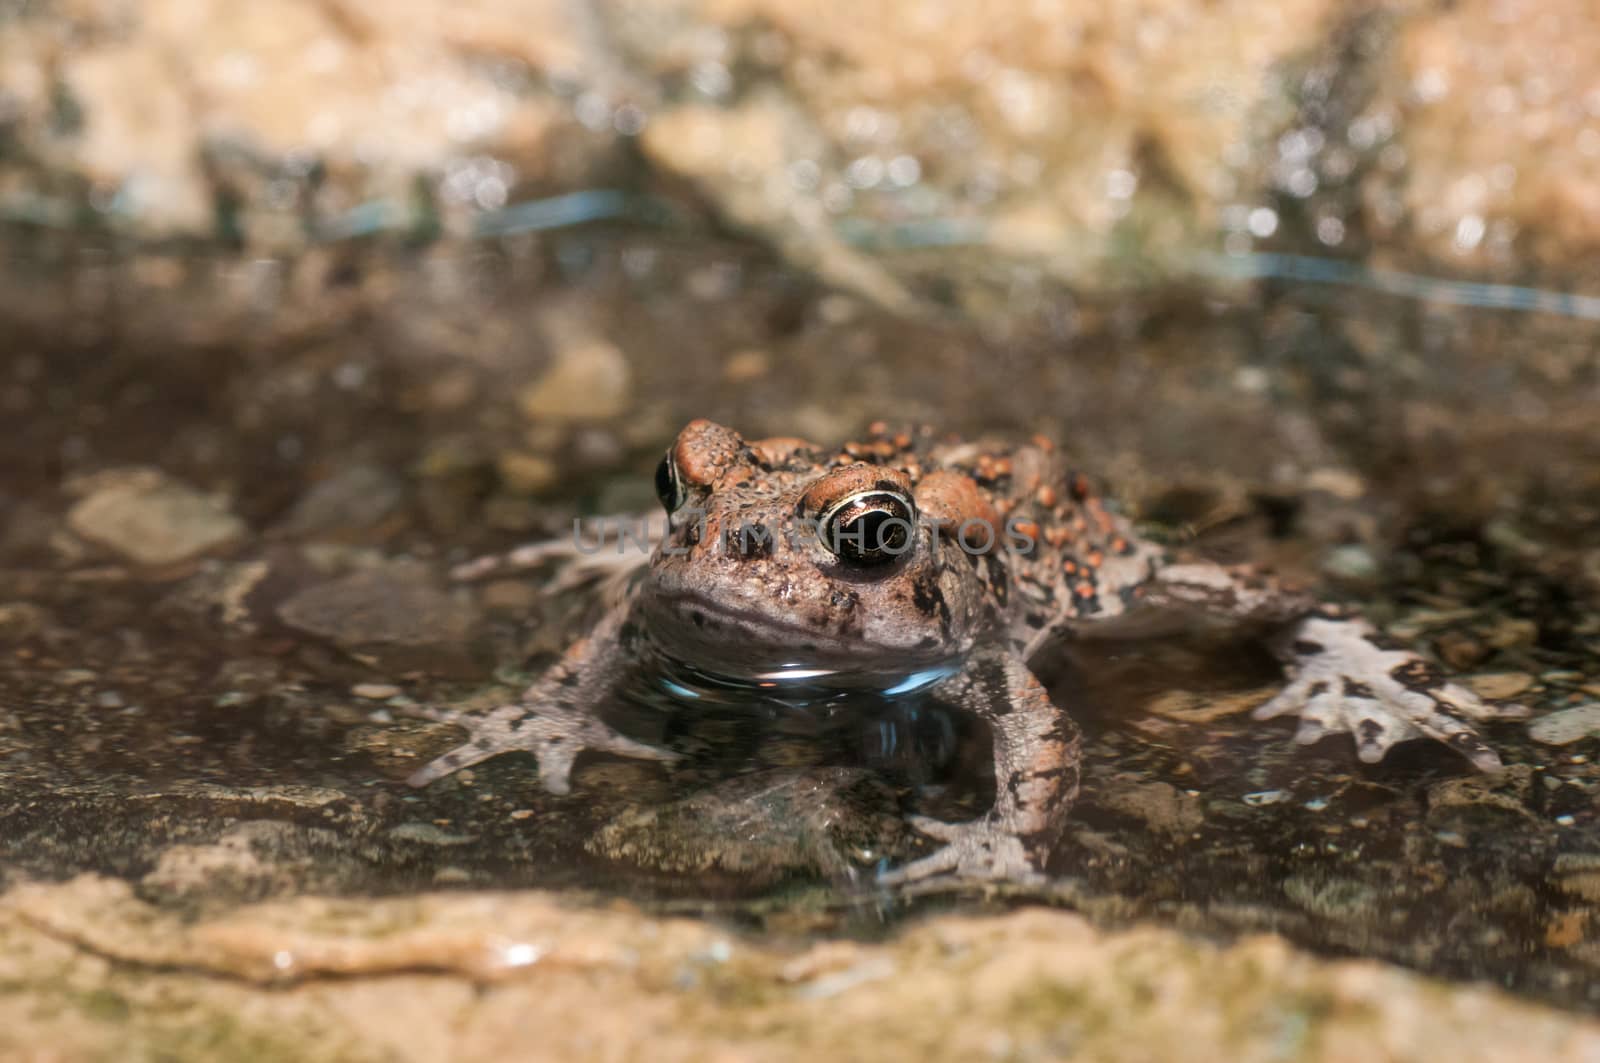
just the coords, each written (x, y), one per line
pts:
(302, 302)
(1267, 223)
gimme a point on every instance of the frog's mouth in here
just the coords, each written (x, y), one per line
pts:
(704, 642)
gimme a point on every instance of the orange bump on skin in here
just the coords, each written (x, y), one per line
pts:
(878, 428)
(1056, 536)
(779, 449)
(703, 451)
(952, 499)
(850, 480)
(1046, 497)
(1084, 590)
(902, 440)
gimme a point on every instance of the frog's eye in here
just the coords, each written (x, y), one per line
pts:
(869, 527)
(669, 485)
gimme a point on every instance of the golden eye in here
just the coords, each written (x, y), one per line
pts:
(669, 485)
(869, 527)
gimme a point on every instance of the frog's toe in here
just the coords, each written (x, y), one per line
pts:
(976, 851)
(1345, 683)
(462, 756)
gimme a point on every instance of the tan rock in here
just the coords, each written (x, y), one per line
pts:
(590, 380)
(1496, 111)
(152, 519)
(96, 973)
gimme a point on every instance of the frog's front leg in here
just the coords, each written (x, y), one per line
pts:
(1036, 760)
(1342, 677)
(554, 719)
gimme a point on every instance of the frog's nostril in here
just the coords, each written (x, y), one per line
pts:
(752, 541)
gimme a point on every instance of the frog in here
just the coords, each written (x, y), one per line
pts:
(908, 564)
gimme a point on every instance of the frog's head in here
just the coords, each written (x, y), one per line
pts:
(789, 568)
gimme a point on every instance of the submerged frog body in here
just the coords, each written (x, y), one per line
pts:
(910, 563)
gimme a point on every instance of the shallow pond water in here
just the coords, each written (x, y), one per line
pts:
(224, 590)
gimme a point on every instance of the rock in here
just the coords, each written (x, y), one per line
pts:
(1498, 686)
(1579, 874)
(404, 979)
(1352, 562)
(743, 367)
(332, 107)
(768, 823)
(1460, 650)
(1196, 707)
(1478, 190)
(1567, 726)
(150, 518)
(1339, 899)
(352, 498)
(1162, 806)
(590, 380)
(396, 612)
(527, 473)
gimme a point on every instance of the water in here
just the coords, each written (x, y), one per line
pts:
(266, 679)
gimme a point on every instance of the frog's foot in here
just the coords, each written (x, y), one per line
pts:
(976, 851)
(1343, 681)
(553, 734)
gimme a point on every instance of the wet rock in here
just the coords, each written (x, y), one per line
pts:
(220, 596)
(1342, 900)
(1196, 707)
(355, 497)
(427, 834)
(1162, 806)
(835, 821)
(1500, 685)
(526, 473)
(1579, 874)
(1567, 726)
(589, 381)
(23, 620)
(397, 613)
(249, 861)
(1460, 650)
(150, 518)
(404, 979)
(1353, 562)
(1507, 789)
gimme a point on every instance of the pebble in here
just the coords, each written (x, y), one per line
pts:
(152, 519)
(742, 367)
(374, 691)
(1265, 797)
(1460, 650)
(525, 473)
(1351, 562)
(1567, 726)
(1498, 685)
(428, 834)
(357, 496)
(399, 605)
(1578, 874)
(590, 381)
